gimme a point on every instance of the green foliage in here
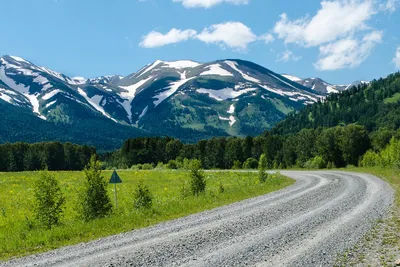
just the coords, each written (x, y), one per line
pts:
(53, 156)
(173, 165)
(315, 163)
(197, 178)
(250, 163)
(373, 106)
(142, 197)
(19, 238)
(371, 159)
(262, 168)
(237, 165)
(95, 202)
(49, 200)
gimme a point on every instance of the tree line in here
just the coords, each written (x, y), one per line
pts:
(53, 156)
(326, 147)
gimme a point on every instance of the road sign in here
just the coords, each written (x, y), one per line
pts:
(115, 179)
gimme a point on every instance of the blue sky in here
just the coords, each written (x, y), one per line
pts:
(339, 41)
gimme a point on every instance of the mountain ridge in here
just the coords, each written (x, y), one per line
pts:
(183, 99)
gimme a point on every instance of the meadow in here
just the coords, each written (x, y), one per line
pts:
(21, 235)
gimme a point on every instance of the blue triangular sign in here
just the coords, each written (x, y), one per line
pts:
(115, 178)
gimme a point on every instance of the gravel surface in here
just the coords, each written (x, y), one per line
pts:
(306, 224)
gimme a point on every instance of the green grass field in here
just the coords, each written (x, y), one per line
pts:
(20, 235)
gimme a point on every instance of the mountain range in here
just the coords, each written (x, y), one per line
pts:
(182, 99)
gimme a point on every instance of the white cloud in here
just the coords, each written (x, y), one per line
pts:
(267, 38)
(209, 3)
(390, 5)
(335, 19)
(287, 56)
(339, 28)
(396, 59)
(347, 53)
(235, 35)
(157, 39)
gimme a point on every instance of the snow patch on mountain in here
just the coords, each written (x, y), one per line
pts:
(5, 97)
(276, 77)
(51, 103)
(291, 77)
(143, 113)
(181, 64)
(231, 109)
(133, 88)
(51, 94)
(95, 102)
(224, 94)
(234, 65)
(215, 69)
(21, 89)
(171, 89)
(152, 66)
(231, 119)
(19, 59)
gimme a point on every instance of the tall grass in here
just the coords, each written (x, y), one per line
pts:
(21, 235)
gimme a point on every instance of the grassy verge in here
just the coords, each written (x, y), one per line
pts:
(19, 234)
(381, 246)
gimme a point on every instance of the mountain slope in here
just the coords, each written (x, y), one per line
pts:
(375, 105)
(182, 99)
(322, 86)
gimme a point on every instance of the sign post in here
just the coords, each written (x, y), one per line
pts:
(115, 179)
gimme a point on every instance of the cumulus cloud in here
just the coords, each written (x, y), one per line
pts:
(288, 56)
(235, 35)
(267, 38)
(334, 20)
(339, 28)
(390, 5)
(209, 3)
(396, 59)
(157, 39)
(347, 53)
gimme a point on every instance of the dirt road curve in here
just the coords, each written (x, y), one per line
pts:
(306, 224)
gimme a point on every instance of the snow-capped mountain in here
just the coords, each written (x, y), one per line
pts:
(184, 99)
(322, 86)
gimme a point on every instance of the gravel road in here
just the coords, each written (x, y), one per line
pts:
(306, 224)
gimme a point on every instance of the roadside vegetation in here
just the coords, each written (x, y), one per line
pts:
(40, 211)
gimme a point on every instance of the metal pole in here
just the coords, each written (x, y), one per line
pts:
(115, 194)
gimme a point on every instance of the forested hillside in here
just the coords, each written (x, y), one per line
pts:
(53, 156)
(374, 106)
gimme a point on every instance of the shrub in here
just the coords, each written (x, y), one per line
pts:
(250, 163)
(186, 164)
(262, 168)
(370, 159)
(160, 166)
(49, 200)
(315, 163)
(198, 181)
(95, 202)
(147, 166)
(237, 165)
(330, 165)
(172, 165)
(142, 197)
